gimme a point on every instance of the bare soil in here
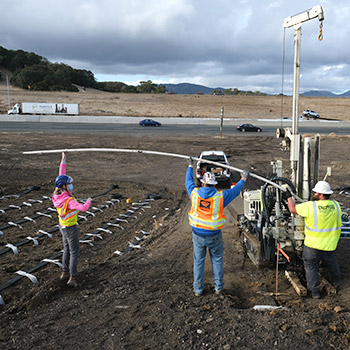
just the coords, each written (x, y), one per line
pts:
(93, 102)
(143, 298)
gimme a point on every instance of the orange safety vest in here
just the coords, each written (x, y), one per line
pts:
(67, 217)
(207, 213)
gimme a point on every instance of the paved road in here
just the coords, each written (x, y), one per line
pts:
(268, 128)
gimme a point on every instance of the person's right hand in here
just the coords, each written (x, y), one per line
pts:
(287, 194)
(190, 161)
(245, 173)
(89, 199)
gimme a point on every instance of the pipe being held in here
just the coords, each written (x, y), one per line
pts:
(123, 150)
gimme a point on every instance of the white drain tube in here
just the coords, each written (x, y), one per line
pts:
(122, 150)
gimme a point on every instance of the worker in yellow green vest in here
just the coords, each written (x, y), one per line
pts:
(207, 219)
(322, 231)
(68, 209)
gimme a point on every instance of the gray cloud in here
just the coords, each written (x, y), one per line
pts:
(221, 43)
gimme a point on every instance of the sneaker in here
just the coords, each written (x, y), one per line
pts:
(72, 282)
(197, 294)
(218, 292)
(64, 275)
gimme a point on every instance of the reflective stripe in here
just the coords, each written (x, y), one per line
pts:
(74, 212)
(204, 222)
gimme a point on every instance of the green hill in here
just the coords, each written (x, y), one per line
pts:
(31, 71)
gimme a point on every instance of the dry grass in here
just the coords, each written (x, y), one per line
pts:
(94, 102)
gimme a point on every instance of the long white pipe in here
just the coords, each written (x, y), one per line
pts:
(160, 154)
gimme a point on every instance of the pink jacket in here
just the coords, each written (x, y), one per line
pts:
(58, 200)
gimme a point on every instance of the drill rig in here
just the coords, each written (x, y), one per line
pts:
(267, 223)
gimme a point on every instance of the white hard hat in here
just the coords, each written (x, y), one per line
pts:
(209, 178)
(323, 187)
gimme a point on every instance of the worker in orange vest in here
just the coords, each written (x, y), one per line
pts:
(207, 219)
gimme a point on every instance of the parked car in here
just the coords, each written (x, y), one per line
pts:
(222, 175)
(288, 118)
(149, 122)
(308, 113)
(248, 127)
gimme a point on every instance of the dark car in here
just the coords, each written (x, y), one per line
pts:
(248, 127)
(149, 122)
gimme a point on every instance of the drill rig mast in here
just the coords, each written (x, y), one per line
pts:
(267, 221)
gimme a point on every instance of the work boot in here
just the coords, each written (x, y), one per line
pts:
(316, 295)
(72, 282)
(64, 275)
(198, 294)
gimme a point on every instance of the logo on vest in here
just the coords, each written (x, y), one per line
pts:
(326, 209)
(204, 204)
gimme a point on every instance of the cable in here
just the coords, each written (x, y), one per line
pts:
(267, 207)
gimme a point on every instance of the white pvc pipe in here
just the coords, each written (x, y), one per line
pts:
(160, 154)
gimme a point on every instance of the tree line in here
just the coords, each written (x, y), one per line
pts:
(235, 92)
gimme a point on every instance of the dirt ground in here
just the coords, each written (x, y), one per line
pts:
(93, 102)
(143, 299)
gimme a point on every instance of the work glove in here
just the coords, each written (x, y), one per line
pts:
(89, 199)
(287, 194)
(190, 161)
(245, 173)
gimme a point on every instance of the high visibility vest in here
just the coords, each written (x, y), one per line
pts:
(67, 217)
(207, 213)
(322, 223)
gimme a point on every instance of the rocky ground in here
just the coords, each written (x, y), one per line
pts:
(142, 299)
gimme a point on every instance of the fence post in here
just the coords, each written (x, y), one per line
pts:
(222, 120)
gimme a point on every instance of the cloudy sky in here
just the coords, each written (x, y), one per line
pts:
(222, 43)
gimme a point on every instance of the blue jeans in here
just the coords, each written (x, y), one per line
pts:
(216, 252)
(311, 258)
(70, 238)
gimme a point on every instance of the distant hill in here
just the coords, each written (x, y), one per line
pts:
(324, 93)
(187, 88)
(345, 94)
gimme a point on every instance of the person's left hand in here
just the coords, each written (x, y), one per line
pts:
(190, 161)
(64, 157)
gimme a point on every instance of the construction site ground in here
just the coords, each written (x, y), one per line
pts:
(143, 298)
